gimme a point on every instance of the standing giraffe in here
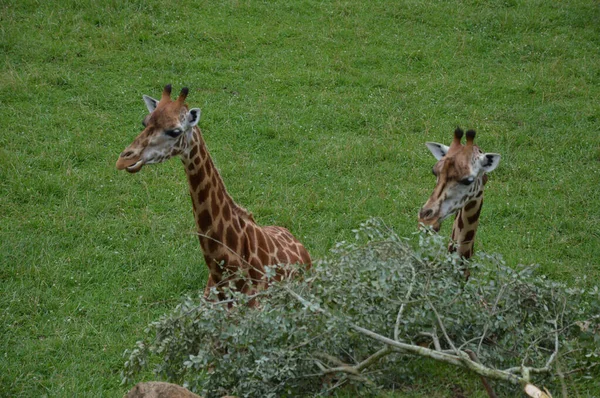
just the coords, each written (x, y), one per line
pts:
(230, 239)
(461, 174)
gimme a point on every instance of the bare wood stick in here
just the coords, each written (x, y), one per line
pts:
(433, 336)
(374, 358)
(484, 381)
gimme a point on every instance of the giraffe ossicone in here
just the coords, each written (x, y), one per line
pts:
(231, 241)
(461, 173)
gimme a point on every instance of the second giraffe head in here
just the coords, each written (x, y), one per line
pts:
(167, 132)
(460, 172)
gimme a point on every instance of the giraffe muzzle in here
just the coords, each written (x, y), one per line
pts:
(434, 224)
(135, 167)
(131, 165)
(428, 217)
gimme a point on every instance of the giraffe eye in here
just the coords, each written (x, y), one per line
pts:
(173, 133)
(467, 181)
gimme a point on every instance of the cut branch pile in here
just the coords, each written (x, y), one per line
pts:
(367, 313)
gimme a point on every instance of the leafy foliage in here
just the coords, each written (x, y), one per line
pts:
(511, 318)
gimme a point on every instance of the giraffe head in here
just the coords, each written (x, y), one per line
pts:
(461, 173)
(167, 132)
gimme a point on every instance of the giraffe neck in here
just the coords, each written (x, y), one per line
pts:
(465, 227)
(219, 220)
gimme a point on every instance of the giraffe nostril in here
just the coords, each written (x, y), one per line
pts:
(126, 154)
(425, 213)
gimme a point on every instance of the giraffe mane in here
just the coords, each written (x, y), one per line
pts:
(242, 212)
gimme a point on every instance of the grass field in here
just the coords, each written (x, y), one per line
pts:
(316, 113)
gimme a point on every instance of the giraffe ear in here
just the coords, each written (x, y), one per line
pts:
(193, 116)
(489, 161)
(438, 150)
(151, 103)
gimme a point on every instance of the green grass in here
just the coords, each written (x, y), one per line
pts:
(316, 114)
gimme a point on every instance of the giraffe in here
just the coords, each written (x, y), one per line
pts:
(461, 174)
(230, 239)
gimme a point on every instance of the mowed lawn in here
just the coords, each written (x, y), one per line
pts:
(316, 113)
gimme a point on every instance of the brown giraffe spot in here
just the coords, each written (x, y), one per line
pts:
(479, 194)
(251, 259)
(241, 285)
(461, 223)
(204, 220)
(237, 226)
(220, 228)
(283, 257)
(270, 244)
(191, 166)
(226, 212)
(203, 193)
(212, 266)
(221, 195)
(250, 233)
(203, 152)
(206, 171)
(195, 180)
(283, 235)
(214, 205)
(299, 258)
(260, 238)
(263, 256)
(470, 205)
(469, 236)
(214, 243)
(231, 238)
(475, 216)
(194, 151)
(242, 246)
(255, 274)
(197, 161)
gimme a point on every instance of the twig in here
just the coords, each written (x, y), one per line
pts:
(441, 324)
(561, 377)
(374, 358)
(487, 324)
(406, 298)
(330, 358)
(556, 345)
(340, 383)
(582, 369)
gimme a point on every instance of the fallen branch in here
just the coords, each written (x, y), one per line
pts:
(460, 358)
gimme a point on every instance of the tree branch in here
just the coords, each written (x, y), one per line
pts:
(406, 299)
(461, 360)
